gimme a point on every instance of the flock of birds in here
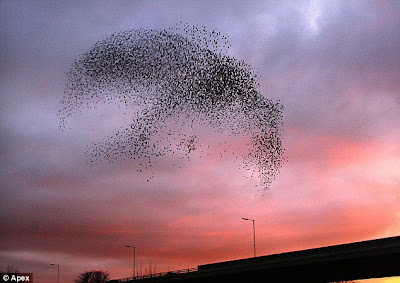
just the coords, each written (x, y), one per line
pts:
(181, 77)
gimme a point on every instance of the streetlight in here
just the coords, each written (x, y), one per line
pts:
(254, 234)
(134, 260)
(58, 271)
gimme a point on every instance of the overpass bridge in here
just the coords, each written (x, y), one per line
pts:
(360, 260)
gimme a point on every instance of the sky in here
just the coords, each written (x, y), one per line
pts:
(334, 66)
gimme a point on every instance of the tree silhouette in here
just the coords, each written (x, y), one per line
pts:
(93, 276)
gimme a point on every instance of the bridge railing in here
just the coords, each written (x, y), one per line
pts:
(159, 274)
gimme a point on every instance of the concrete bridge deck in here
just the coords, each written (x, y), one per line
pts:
(359, 260)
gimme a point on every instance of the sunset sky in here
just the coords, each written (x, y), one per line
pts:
(335, 67)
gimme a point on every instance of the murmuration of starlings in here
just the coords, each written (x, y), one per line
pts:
(181, 76)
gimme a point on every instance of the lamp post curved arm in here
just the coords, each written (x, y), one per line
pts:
(254, 233)
(134, 260)
(58, 271)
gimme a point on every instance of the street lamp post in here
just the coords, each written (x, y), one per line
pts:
(254, 234)
(134, 259)
(58, 271)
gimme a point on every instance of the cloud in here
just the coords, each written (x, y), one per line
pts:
(334, 66)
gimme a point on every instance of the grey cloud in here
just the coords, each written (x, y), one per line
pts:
(342, 81)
